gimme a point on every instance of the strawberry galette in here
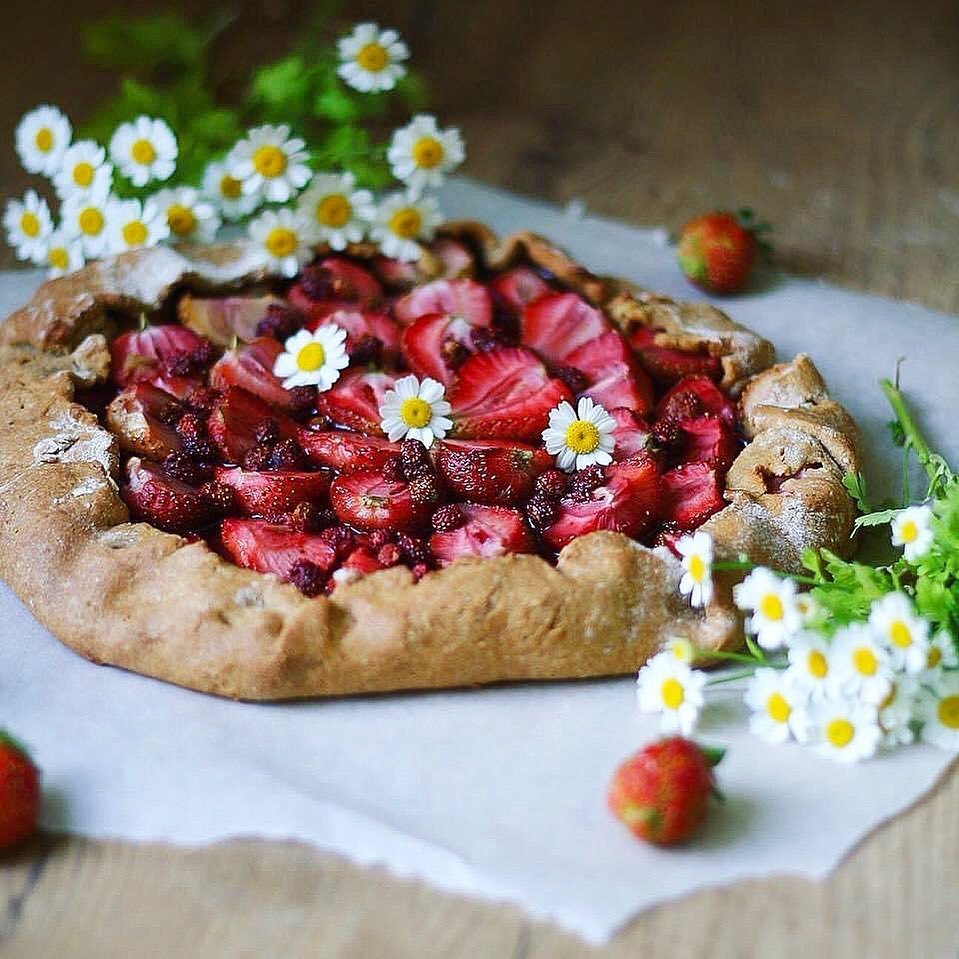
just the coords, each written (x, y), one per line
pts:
(382, 475)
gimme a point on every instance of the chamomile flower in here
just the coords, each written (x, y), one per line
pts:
(859, 665)
(42, 137)
(401, 220)
(371, 59)
(771, 602)
(334, 211)
(911, 529)
(681, 648)
(809, 663)
(280, 237)
(270, 163)
(313, 359)
(809, 608)
(421, 154)
(668, 686)
(697, 558)
(417, 410)
(901, 631)
(778, 704)
(941, 653)
(191, 218)
(581, 437)
(133, 225)
(144, 150)
(86, 218)
(84, 171)
(28, 225)
(938, 708)
(226, 192)
(64, 254)
(844, 729)
(897, 711)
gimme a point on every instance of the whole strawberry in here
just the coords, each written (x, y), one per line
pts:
(717, 251)
(662, 792)
(19, 793)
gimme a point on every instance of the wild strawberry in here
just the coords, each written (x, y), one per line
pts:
(414, 549)
(425, 489)
(379, 538)
(465, 298)
(307, 577)
(341, 539)
(691, 494)
(368, 500)
(448, 518)
(19, 793)
(556, 324)
(196, 442)
(141, 418)
(419, 570)
(414, 458)
(390, 555)
(347, 452)
(490, 471)
(272, 492)
(485, 338)
(667, 365)
(281, 321)
(337, 278)
(517, 287)
(575, 380)
(221, 319)
(487, 531)
(367, 352)
(219, 496)
(161, 500)
(203, 399)
(581, 484)
(540, 511)
(180, 466)
(302, 401)
(268, 548)
(257, 459)
(551, 484)
(716, 251)
(267, 432)
(286, 455)
(309, 518)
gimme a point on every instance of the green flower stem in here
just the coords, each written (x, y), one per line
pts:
(741, 565)
(732, 677)
(731, 657)
(914, 437)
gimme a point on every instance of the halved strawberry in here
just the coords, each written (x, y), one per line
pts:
(517, 287)
(631, 433)
(161, 500)
(615, 377)
(354, 400)
(488, 531)
(465, 298)
(504, 394)
(457, 260)
(358, 325)
(436, 344)
(556, 324)
(172, 357)
(691, 494)
(628, 502)
(490, 471)
(251, 366)
(235, 417)
(707, 439)
(693, 396)
(348, 452)
(268, 548)
(273, 491)
(667, 365)
(335, 280)
(222, 318)
(142, 418)
(369, 500)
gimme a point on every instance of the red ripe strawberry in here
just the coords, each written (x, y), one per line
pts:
(614, 376)
(19, 793)
(141, 418)
(271, 492)
(465, 298)
(358, 325)
(707, 439)
(627, 501)
(161, 500)
(146, 356)
(517, 287)
(667, 365)
(716, 252)
(222, 318)
(335, 281)
(362, 560)
(369, 500)
(235, 419)
(662, 792)
(457, 260)
(693, 396)
(348, 452)
(691, 494)
(487, 531)
(556, 324)
(395, 273)
(631, 433)
(251, 366)
(268, 548)
(492, 472)
(504, 394)
(355, 399)
(436, 345)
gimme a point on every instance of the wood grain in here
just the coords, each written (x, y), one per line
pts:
(838, 122)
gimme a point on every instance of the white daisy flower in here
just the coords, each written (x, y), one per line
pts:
(416, 410)
(897, 711)
(132, 225)
(911, 529)
(191, 218)
(667, 685)
(844, 729)
(697, 559)
(859, 666)
(270, 163)
(581, 437)
(28, 225)
(334, 212)
(400, 221)
(144, 150)
(938, 708)
(809, 662)
(941, 653)
(681, 648)
(280, 236)
(226, 192)
(771, 601)
(901, 631)
(42, 137)
(809, 607)
(86, 218)
(371, 59)
(313, 359)
(64, 253)
(421, 154)
(84, 171)
(778, 704)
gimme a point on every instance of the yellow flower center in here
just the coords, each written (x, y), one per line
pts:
(682, 649)
(818, 665)
(83, 174)
(181, 219)
(143, 152)
(899, 634)
(934, 657)
(428, 152)
(908, 531)
(777, 707)
(333, 210)
(673, 693)
(30, 224)
(58, 258)
(697, 568)
(231, 188)
(582, 436)
(948, 712)
(864, 660)
(415, 412)
(406, 222)
(44, 139)
(372, 57)
(269, 161)
(771, 606)
(135, 233)
(840, 732)
(311, 357)
(90, 221)
(281, 241)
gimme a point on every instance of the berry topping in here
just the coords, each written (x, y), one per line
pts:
(364, 326)
(436, 345)
(541, 511)
(203, 399)
(141, 417)
(251, 367)
(486, 531)
(693, 396)
(551, 484)
(448, 518)
(369, 500)
(425, 489)
(631, 433)
(269, 548)
(495, 473)
(611, 374)
(582, 483)
(667, 365)
(272, 492)
(463, 298)
(219, 496)
(180, 466)
(235, 418)
(556, 324)
(165, 502)
(307, 577)
(415, 550)
(171, 357)
(347, 452)
(389, 555)
(414, 458)
(286, 455)
(280, 321)
(517, 287)
(691, 494)
(310, 518)
(355, 399)
(335, 279)
(576, 380)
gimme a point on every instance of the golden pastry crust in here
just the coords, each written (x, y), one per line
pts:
(129, 595)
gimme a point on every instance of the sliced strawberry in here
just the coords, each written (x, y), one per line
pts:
(556, 324)
(436, 344)
(627, 502)
(335, 280)
(161, 500)
(235, 417)
(222, 318)
(615, 377)
(362, 560)
(691, 494)
(142, 418)
(369, 500)
(273, 491)
(693, 396)
(517, 287)
(171, 357)
(707, 439)
(268, 548)
(492, 472)
(395, 273)
(251, 366)
(348, 452)
(631, 433)
(488, 531)
(358, 325)
(457, 260)
(465, 298)
(667, 365)
(355, 399)
(504, 394)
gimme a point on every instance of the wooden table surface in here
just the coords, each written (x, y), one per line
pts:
(838, 122)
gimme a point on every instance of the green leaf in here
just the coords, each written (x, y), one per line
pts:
(142, 45)
(855, 484)
(335, 105)
(285, 83)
